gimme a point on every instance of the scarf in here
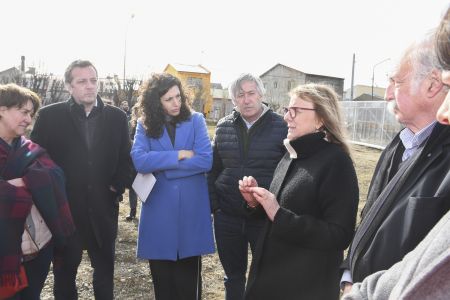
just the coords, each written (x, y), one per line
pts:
(45, 187)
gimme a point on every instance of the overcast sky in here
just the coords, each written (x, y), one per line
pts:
(227, 37)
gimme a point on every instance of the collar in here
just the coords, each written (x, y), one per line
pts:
(413, 140)
(306, 145)
(78, 108)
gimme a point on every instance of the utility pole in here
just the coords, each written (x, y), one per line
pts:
(125, 51)
(353, 78)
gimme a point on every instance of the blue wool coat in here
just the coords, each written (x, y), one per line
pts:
(175, 220)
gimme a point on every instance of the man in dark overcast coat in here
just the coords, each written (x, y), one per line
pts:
(89, 140)
(408, 194)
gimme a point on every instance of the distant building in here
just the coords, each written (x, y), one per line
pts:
(10, 75)
(222, 104)
(280, 79)
(198, 80)
(364, 93)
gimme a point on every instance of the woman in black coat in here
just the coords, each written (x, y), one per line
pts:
(311, 205)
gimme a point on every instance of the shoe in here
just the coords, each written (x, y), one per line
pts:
(130, 218)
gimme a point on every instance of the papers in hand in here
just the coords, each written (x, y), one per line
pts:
(143, 185)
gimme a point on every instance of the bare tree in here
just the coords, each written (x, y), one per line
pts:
(55, 93)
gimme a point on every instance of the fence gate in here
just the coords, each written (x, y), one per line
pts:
(369, 123)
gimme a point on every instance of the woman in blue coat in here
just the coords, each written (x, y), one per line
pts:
(175, 226)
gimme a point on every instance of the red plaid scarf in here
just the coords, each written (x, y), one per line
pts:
(45, 187)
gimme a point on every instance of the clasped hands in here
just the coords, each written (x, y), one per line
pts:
(183, 154)
(255, 196)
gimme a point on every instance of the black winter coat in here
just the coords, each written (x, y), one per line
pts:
(417, 202)
(238, 152)
(89, 174)
(299, 253)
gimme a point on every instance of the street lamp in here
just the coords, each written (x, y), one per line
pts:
(125, 50)
(373, 72)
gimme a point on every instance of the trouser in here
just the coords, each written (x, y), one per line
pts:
(233, 235)
(37, 271)
(177, 280)
(133, 202)
(65, 267)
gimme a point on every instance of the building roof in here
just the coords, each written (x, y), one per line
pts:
(216, 85)
(12, 70)
(189, 68)
(368, 97)
(295, 70)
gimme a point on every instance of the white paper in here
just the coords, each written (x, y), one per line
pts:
(143, 185)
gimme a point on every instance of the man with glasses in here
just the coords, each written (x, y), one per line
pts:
(248, 142)
(408, 193)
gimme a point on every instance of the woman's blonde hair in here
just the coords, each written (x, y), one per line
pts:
(326, 104)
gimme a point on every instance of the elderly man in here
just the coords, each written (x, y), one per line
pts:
(408, 193)
(90, 142)
(247, 142)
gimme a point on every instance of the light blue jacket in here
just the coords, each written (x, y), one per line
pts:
(176, 219)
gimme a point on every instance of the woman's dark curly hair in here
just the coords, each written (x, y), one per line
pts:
(150, 110)
(442, 41)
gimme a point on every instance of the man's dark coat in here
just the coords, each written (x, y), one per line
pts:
(411, 206)
(89, 173)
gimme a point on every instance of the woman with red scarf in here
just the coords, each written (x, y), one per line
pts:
(34, 212)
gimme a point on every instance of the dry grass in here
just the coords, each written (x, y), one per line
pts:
(132, 278)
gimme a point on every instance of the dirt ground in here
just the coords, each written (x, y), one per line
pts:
(132, 276)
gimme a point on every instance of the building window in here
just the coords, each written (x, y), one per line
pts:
(275, 84)
(194, 82)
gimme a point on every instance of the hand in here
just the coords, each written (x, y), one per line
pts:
(267, 200)
(17, 182)
(183, 154)
(347, 288)
(244, 185)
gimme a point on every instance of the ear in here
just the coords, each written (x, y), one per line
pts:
(319, 124)
(434, 83)
(2, 110)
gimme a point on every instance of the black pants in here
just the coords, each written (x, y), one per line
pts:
(36, 270)
(65, 267)
(132, 197)
(177, 280)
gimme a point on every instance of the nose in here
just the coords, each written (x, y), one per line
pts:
(389, 94)
(28, 118)
(287, 116)
(444, 111)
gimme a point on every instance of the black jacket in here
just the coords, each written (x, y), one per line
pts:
(89, 173)
(420, 197)
(299, 253)
(238, 153)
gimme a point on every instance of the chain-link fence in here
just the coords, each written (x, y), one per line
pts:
(369, 122)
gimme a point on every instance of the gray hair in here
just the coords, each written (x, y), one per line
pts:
(235, 86)
(422, 58)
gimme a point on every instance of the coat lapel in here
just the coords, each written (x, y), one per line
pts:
(427, 156)
(101, 127)
(183, 131)
(72, 116)
(164, 140)
(280, 174)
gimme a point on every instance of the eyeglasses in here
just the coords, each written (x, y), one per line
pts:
(293, 110)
